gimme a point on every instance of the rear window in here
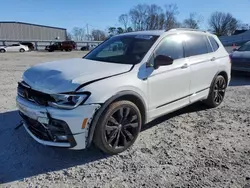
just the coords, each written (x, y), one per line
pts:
(196, 45)
(214, 44)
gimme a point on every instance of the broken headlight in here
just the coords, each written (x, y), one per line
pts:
(68, 101)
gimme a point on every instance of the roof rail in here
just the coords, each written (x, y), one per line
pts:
(186, 29)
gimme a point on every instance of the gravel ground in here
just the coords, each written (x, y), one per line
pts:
(193, 147)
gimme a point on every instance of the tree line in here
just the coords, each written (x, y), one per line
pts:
(153, 17)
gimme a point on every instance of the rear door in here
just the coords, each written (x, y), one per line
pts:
(202, 63)
(13, 48)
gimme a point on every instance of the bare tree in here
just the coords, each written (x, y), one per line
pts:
(223, 23)
(193, 21)
(98, 35)
(170, 16)
(124, 20)
(138, 17)
(155, 17)
(68, 36)
(78, 34)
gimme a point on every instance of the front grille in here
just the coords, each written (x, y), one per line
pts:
(25, 91)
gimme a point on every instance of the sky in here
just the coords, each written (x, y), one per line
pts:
(100, 14)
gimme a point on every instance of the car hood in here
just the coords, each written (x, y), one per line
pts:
(67, 75)
(238, 54)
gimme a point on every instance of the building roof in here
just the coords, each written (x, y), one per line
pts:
(13, 22)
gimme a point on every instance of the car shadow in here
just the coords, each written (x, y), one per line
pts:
(22, 157)
(240, 79)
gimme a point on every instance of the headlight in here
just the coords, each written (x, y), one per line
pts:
(68, 101)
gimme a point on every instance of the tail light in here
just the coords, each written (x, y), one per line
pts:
(230, 57)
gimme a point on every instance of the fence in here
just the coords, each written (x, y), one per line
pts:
(40, 45)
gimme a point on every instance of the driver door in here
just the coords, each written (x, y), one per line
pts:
(168, 86)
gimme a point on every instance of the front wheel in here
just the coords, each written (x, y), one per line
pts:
(217, 92)
(21, 50)
(118, 127)
(2, 50)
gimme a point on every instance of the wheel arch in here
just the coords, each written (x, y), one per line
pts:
(222, 73)
(123, 95)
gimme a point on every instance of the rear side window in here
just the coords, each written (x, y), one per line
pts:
(171, 46)
(214, 44)
(196, 45)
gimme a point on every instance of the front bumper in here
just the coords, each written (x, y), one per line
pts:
(57, 127)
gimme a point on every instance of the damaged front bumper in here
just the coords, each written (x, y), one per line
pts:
(56, 127)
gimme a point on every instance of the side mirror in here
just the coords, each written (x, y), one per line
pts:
(162, 60)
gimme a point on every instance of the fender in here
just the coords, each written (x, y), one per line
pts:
(103, 108)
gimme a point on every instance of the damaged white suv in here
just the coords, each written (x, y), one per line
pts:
(125, 82)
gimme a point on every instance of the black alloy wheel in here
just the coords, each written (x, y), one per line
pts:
(118, 128)
(217, 92)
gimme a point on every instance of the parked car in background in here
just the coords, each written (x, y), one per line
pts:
(71, 43)
(14, 48)
(85, 48)
(65, 45)
(89, 47)
(241, 58)
(109, 94)
(29, 44)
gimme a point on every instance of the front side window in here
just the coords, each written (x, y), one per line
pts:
(124, 49)
(171, 46)
(196, 45)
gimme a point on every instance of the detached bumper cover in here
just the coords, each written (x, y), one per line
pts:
(57, 127)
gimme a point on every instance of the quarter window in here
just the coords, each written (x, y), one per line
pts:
(213, 43)
(171, 46)
(196, 45)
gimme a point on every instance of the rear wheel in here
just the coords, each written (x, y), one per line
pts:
(2, 50)
(217, 92)
(21, 50)
(118, 127)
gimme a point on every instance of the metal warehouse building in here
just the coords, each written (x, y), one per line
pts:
(20, 31)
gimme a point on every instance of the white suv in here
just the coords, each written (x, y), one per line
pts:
(125, 82)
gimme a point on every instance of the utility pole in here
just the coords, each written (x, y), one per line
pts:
(87, 31)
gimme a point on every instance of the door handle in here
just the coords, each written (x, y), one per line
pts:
(213, 59)
(185, 66)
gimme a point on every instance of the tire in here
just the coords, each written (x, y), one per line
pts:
(22, 50)
(217, 92)
(115, 133)
(2, 50)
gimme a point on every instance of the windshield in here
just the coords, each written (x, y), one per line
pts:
(126, 49)
(245, 47)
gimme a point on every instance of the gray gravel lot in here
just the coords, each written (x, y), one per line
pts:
(193, 147)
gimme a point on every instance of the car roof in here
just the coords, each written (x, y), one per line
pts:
(160, 32)
(150, 32)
